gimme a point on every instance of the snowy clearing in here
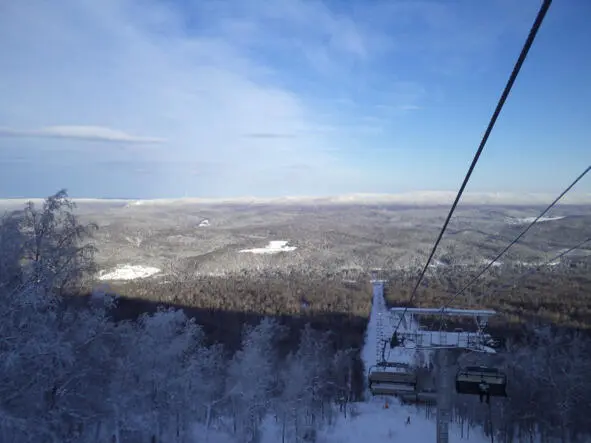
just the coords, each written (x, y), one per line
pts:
(527, 264)
(525, 220)
(128, 272)
(204, 223)
(273, 247)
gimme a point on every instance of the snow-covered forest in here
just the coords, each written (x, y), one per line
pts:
(70, 373)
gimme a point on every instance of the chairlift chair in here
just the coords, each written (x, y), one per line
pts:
(482, 381)
(388, 378)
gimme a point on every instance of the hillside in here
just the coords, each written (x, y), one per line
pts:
(272, 255)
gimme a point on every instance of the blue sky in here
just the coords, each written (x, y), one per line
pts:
(156, 99)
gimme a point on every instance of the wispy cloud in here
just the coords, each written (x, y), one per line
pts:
(245, 85)
(115, 65)
(409, 107)
(269, 135)
(92, 133)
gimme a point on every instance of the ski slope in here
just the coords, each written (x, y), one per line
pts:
(372, 422)
(381, 327)
(377, 423)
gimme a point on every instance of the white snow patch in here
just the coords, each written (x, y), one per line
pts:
(437, 264)
(273, 247)
(128, 272)
(485, 261)
(204, 223)
(525, 220)
(134, 203)
(527, 264)
(375, 423)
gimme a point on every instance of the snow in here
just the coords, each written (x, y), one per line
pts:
(526, 220)
(373, 422)
(273, 247)
(484, 261)
(437, 264)
(128, 272)
(527, 264)
(204, 223)
(369, 353)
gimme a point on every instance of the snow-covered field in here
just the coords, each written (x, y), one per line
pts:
(128, 272)
(273, 247)
(526, 220)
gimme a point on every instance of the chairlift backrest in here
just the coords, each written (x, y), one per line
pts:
(394, 364)
(391, 378)
(479, 379)
(485, 370)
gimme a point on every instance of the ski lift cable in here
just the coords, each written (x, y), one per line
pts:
(522, 56)
(493, 261)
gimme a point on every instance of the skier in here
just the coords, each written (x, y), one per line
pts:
(483, 390)
(394, 340)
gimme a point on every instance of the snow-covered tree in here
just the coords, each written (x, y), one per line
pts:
(53, 359)
(11, 249)
(152, 371)
(307, 388)
(205, 386)
(252, 378)
(55, 247)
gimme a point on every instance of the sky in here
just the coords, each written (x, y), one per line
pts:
(215, 98)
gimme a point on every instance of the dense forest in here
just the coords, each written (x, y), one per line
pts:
(192, 357)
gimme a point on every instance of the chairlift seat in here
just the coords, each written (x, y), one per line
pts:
(391, 379)
(471, 379)
(391, 389)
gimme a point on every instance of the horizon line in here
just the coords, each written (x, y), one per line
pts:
(436, 198)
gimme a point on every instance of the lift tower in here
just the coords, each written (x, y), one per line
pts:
(472, 379)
